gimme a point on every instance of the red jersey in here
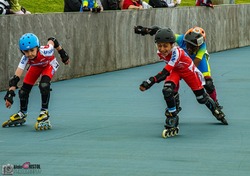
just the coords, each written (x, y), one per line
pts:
(44, 56)
(181, 66)
(44, 64)
(178, 60)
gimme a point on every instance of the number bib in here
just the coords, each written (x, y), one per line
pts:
(54, 64)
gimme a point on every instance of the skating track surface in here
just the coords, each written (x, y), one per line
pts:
(104, 126)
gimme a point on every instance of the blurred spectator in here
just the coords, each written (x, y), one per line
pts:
(11, 7)
(5, 8)
(207, 3)
(110, 4)
(91, 5)
(134, 4)
(17, 8)
(164, 3)
(72, 5)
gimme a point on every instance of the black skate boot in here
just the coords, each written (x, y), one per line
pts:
(171, 126)
(219, 115)
(218, 105)
(177, 101)
(216, 110)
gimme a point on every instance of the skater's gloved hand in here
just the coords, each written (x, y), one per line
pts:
(147, 84)
(9, 98)
(141, 30)
(64, 56)
(153, 30)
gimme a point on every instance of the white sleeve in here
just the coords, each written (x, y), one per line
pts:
(23, 62)
(47, 50)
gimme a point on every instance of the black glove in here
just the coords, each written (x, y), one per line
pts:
(148, 83)
(56, 43)
(153, 30)
(9, 96)
(64, 56)
(141, 30)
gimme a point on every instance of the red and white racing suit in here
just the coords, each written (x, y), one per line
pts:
(45, 63)
(180, 66)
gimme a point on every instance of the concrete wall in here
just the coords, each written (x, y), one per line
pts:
(105, 42)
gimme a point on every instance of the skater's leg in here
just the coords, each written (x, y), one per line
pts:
(211, 90)
(168, 93)
(172, 120)
(203, 98)
(24, 97)
(43, 122)
(177, 101)
(44, 87)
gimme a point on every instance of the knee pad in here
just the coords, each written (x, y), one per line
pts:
(168, 90)
(209, 86)
(202, 99)
(44, 88)
(23, 93)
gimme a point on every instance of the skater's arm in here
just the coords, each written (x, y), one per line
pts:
(15, 79)
(63, 54)
(12, 87)
(152, 80)
(145, 30)
(196, 61)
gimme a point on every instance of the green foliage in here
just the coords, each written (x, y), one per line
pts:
(42, 6)
(48, 6)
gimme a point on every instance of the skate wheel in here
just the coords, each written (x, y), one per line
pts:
(164, 133)
(5, 124)
(173, 133)
(36, 126)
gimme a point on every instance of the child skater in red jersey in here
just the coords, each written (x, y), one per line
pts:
(178, 66)
(42, 63)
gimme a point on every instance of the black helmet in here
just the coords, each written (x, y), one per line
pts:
(165, 35)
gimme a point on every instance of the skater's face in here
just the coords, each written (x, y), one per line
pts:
(164, 48)
(191, 48)
(31, 53)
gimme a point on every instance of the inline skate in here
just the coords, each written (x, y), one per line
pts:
(171, 127)
(15, 120)
(219, 115)
(43, 122)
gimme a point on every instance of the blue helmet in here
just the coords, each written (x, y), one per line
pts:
(28, 41)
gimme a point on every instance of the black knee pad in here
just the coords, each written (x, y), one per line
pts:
(23, 93)
(202, 99)
(44, 88)
(209, 86)
(168, 90)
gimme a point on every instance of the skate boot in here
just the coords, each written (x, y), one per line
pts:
(171, 127)
(216, 110)
(177, 101)
(218, 105)
(43, 122)
(16, 119)
(219, 115)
